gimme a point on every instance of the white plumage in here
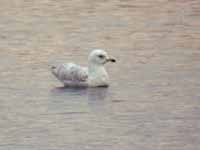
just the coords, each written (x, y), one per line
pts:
(71, 74)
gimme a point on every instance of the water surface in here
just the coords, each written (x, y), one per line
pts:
(153, 101)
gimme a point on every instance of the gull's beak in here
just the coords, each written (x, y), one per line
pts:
(111, 60)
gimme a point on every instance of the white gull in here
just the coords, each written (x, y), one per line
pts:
(94, 75)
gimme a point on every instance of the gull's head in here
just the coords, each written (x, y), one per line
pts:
(100, 57)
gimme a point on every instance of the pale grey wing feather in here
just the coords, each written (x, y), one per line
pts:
(70, 72)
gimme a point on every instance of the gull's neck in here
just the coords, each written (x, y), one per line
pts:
(97, 75)
(94, 68)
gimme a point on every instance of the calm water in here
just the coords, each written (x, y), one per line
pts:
(153, 102)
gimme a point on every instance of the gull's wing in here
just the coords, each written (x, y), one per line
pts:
(70, 72)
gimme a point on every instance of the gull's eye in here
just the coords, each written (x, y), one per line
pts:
(101, 56)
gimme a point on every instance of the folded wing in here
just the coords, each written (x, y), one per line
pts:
(70, 72)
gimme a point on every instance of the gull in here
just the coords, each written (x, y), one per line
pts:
(95, 75)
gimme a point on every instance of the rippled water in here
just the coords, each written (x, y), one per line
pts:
(153, 102)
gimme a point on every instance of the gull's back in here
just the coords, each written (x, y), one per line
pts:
(70, 74)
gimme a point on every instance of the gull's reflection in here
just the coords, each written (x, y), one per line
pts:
(67, 100)
(94, 94)
(97, 97)
(70, 91)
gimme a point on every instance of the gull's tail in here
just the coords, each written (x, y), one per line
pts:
(59, 71)
(54, 70)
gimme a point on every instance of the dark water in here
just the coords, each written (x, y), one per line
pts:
(153, 102)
